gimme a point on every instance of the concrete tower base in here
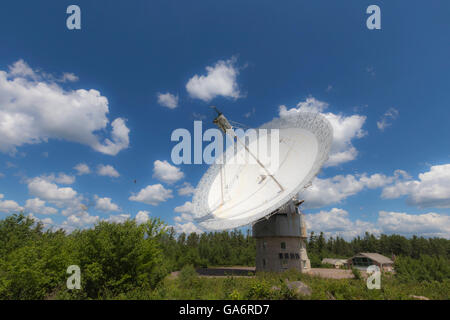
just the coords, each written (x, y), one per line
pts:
(280, 241)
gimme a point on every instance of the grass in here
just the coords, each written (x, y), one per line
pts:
(189, 286)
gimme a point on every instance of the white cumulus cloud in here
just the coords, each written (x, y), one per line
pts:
(69, 77)
(427, 225)
(82, 168)
(34, 109)
(184, 222)
(430, 190)
(47, 222)
(68, 201)
(336, 222)
(142, 217)
(220, 80)
(345, 129)
(188, 227)
(107, 170)
(152, 194)
(37, 206)
(186, 207)
(168, 100)
(105, 204)
(386, 119)
(324, 192)
(9, 206)
(118, 218)
(21, 69)
(49, 191)
(61, 178)
(79, 220)
(165, 172)
(186, 189)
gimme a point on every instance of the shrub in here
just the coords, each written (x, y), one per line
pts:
(426, 268)
(113, 258)
(235, 295)
(117, 257)
(260, 290)
(356, 273)
(188, 277)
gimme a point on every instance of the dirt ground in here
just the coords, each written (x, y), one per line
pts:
(331, 273)
(238, 271)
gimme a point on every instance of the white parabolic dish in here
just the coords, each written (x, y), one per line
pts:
(305, 141)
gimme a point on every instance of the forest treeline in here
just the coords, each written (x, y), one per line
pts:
(234, 248)
(118, 258)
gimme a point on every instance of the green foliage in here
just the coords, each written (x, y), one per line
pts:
(314, 258)
(188, 277)
(17, 231)
(113, 258)
(356, 273)
(208, 249)
(285, 293)
(235, 295)
(32, 262)
(130, 261)
(388, 245)
(259, 290)
(119, 257)
(273, 286)
(426, 268)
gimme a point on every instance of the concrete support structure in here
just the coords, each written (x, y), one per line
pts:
(280, 240)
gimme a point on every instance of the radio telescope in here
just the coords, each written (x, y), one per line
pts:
(234, 193)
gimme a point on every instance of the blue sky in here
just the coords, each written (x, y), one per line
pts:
(386, 91)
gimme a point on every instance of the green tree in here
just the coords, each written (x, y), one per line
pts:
(116, 257)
